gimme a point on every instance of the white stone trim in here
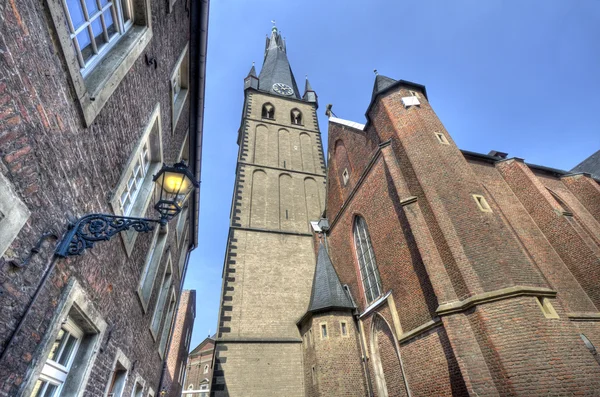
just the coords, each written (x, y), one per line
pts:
(347, 123)
(13, 214)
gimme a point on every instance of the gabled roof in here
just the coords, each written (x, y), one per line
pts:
(591, 165)
(327, 290)
(198, 348)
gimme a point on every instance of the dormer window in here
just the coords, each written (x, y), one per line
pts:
(268, 111)
(296, 117)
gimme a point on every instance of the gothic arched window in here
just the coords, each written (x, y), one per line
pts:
(296, 117)
(366, 260)
(268, 111)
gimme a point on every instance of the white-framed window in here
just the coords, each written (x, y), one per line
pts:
(133, 191)
(366, 260)
(69, 349)
(95, 26)
(191, 387)
(204, 387)
(206, 368)
(153, 260)
(62, 354)
(100, 40)
(163, 295)
(179, 85)
(136, 178)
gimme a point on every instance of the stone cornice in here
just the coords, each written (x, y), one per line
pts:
(413, 333)
(486, 297)
(583, 316)
(258, 340)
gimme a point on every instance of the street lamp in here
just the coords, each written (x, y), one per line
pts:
(173, 185)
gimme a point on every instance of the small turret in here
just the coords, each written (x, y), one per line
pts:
(309, 94)
(251, 81)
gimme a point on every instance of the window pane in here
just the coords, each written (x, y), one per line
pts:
(126, 10)
(92, 7)
(98, 32)
(55, 346)
(67, 351)
(103, 2)
(38, 388)
(85, 44)
(51, 391)
(75, 12)
(110, 24)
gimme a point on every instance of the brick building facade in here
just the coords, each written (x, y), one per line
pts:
(94, 97)
(472, 274)
(177, 358)
(200, 369)
(439, 272)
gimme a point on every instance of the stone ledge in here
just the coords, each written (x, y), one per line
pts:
(258, 340)
(407, 336)
(583, 316)
(486, 297)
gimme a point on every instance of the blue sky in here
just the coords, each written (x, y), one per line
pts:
(515, 76)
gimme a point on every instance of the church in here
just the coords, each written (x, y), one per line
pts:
(405, 266)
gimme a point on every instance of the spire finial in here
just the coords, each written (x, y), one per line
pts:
(375, 71)
(274, 28)
(252, 63)
(306, 76)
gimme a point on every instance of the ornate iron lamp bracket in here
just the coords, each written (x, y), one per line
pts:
(92, 228)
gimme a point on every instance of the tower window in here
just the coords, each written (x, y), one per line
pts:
(296, 117)
(314, 375)
(268, 111)
(546, 307)
(414, 93)
(345, 176)
(482, 203)
(366, 260)
(344, 328)
(324, 331)
(442, 138)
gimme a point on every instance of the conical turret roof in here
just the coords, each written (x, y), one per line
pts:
(327, 290)
(276, 67)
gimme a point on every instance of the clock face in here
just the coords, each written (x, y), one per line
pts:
(283, 89)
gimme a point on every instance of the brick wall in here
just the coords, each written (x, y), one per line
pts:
(178, 352)
(62, 170)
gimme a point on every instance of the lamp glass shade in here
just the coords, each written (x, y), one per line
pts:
(173, 186)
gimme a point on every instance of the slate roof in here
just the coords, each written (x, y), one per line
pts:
(252, 71)
(307, 86)
(276, 67)
(381, 83)
(327, 290)
(591, 165)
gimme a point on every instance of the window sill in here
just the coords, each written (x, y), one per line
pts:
(100, 84)
(178, 107)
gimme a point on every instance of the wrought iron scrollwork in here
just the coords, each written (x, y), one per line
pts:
(92, 228)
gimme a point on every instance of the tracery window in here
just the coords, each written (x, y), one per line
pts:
(366, 260)
(268, 111)
(296, 117)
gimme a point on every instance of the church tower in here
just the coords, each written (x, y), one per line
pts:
(270, 259)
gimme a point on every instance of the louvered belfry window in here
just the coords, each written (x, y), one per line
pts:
(366, 260)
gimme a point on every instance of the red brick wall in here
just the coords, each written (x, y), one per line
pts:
(62, 170)
(196, 362)
(178, 351)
